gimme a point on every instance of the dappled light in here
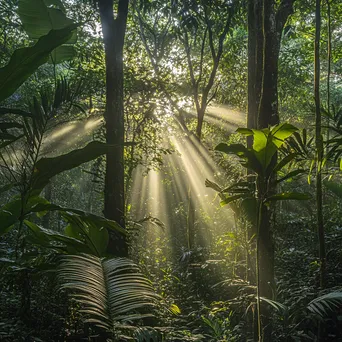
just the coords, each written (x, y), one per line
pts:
(170, 171)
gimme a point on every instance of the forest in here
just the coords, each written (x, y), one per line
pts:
(171, 170)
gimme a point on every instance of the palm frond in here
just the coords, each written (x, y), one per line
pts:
(325, 304)
(109, 290)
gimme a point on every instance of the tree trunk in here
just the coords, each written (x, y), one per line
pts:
(113, 34)
(200, 118)
(255, 52)
(273, 21)
(319, 148)
(255, 57)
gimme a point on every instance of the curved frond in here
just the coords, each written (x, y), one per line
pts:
(325, 304)
(109, 290)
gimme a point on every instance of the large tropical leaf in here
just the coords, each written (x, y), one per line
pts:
(11, 212)
(56, 241)
(38, 18)
(248, 156)
(108, 290)
(266, 142)
(88, 218)
(25, 61)
(289, 196)
(46, 168)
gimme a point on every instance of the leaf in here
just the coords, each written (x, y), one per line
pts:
(175, 309)
(50, 239)
(267, 142)
(57, 3)
(38, 19)
(289, 196)
(7, 187)
(291, 175)
(62, 54)
(11, 212)
(281, 132)
(229, 199)
(87, 217)
(276, 305)
(287, 159)
(212, 185)
(109, 290)
(94, 236)
(25, 61)
(332, 300)
(46, 168)
(251, 162)
(245, 131)
(237, 149)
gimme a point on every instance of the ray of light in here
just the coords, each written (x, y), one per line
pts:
(72, 134)
(181, 181)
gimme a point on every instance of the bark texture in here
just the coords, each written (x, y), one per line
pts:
(113, 30)
(319, 149)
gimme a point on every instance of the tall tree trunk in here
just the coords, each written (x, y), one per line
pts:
(329, 63)
(273, 21)
(113, 30)
(319, 148)
(255, 58)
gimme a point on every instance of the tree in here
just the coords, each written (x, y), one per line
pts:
(113, 30)
(319, 147)
(201, 28)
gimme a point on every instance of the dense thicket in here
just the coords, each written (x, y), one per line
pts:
(134, 203)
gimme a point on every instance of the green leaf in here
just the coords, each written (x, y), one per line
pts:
(38, 19)
(62, 54)
(59, 242)
(9, 215)
(289, 196)
(11, 212)
(267, 142)
(175, 309)
(46, 168)
(7, 187)
(287, 159)
(15, 111)
(237, 149)
(229, 199)
(245, 131)
(281, 132)
(94, 236)
(25, 61)
(57, 3)
(332, 302)
(92, 219)
(291, 175)
(251, 162)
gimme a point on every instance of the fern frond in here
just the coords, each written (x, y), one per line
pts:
(109, 290)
